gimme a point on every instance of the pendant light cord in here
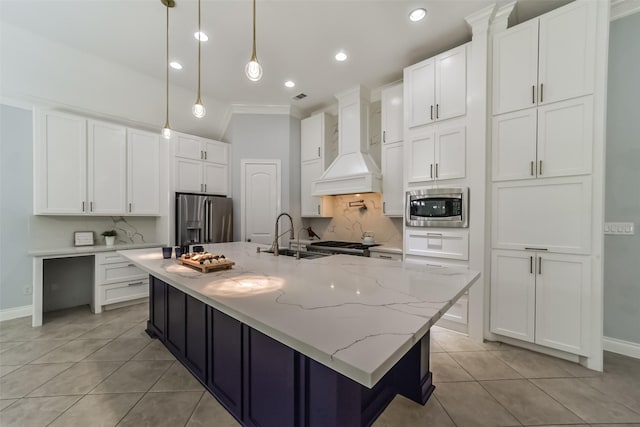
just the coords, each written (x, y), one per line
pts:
(167, 64)
(199, 44)
(253, 56)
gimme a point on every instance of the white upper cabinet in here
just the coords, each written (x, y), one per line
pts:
(318, 148)
(143, 173)
(436, 88)
(546, 59)
(61, 163)
(107, 168)
(392, 114)
(92, 167)
(436, 154)
(550, 141)
(201, 165)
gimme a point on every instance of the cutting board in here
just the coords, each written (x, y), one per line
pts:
(207, 268)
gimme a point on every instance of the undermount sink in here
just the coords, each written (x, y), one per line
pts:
(292, 253)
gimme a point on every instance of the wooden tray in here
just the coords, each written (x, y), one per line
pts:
(207, 268)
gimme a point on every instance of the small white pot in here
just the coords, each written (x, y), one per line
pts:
(110, 240)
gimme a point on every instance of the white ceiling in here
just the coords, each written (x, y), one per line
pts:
(297, 40)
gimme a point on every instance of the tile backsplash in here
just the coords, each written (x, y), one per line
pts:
(348, 223)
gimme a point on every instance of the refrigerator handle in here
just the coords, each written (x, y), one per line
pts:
(209, 213)
(205, 238)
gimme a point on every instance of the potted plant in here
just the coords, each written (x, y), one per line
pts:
(110, 237)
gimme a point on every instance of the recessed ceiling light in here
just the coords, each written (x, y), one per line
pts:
(341, 56)
(289, 83)
(418, 14)
(175, 65)
(199, 35)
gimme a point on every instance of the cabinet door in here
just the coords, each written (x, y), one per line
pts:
(419, 93)
(215, 179)
(392, 117)
(176, 312)
(565, 138)
(450, 153)
(563, 301)
(451, 83)
(514, 145)
(189, 176)
(216, 152)
(195, 352)
(392, 179)
(567, 52)
(553, 214)
(158, 306)
(61, 169)
(107, 168)
(225, 360)
(513, 293)
(311, 137)
(312, 206)
(420, 157)
(189, 147)
(515, 68)
(143, 166)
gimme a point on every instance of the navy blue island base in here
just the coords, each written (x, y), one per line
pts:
(263, 382)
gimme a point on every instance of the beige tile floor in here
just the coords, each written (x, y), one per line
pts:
(81, 369)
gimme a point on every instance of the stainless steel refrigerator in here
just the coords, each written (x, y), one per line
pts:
(201, 218)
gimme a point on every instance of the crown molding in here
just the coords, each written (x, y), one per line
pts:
(622, 8)
(479, 21)
(501, 19)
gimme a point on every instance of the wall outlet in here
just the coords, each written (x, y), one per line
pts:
(626, 228)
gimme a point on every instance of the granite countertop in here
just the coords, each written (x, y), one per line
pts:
(88, 250)
(356, 315)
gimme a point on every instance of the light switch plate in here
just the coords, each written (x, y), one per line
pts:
(626, 228)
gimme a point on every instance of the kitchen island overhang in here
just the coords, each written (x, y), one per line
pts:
(361, 318)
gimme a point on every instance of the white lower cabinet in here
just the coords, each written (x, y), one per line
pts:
(541, 297)
(453, 244)
(117, 280)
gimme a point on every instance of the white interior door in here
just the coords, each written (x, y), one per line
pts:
(260, 199)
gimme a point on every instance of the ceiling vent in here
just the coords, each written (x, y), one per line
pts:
(300, 96)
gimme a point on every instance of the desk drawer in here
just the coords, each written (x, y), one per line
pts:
(118, 272)
(109, 258)
(440, 244)
(120, 292)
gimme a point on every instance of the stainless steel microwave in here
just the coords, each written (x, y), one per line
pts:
(438, 207)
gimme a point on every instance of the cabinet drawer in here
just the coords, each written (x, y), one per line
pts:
(386, 255)
(109, 258)
(439, 244)
(124, 291)
(118, 272)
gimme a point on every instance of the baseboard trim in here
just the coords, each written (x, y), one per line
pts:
(16, 312)
(626, 348)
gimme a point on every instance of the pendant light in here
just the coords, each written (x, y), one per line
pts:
(198, 109)
(166, 130)
(253, 70)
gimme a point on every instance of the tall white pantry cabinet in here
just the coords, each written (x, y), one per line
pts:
(542, 165)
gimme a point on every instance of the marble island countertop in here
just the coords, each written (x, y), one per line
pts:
(356, 315)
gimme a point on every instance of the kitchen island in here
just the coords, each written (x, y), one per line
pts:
(280, 341)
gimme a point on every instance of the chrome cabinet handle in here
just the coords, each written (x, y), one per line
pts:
(201, 156)
(531, 167)
(531, 264)
(318, 151)
(436, 170)
(437, 111)
(540, 265)
(91, 206)
(129, 207)
(384, 136)
(533, 94)
(135, 283)
(431, 170)
(205, 155)
(82, 206)
(432, 112)
(384, 207)
(541, 92)
(130, 265)
(318, 209)
(385, 257)
(536, 249)
(434, 234)
(205, 188)
(540, 173)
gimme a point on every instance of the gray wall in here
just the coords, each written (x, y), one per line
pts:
(622, 192)
(266, 136)
(16, 183)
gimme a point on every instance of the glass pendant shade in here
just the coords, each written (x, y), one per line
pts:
(166, 132)
(253, 70)
(198, 109)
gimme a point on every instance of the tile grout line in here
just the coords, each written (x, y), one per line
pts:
(193, 411)
(554, 399)
(444, 409)
(500, 403)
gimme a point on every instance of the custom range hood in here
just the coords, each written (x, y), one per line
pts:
(353, 171)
